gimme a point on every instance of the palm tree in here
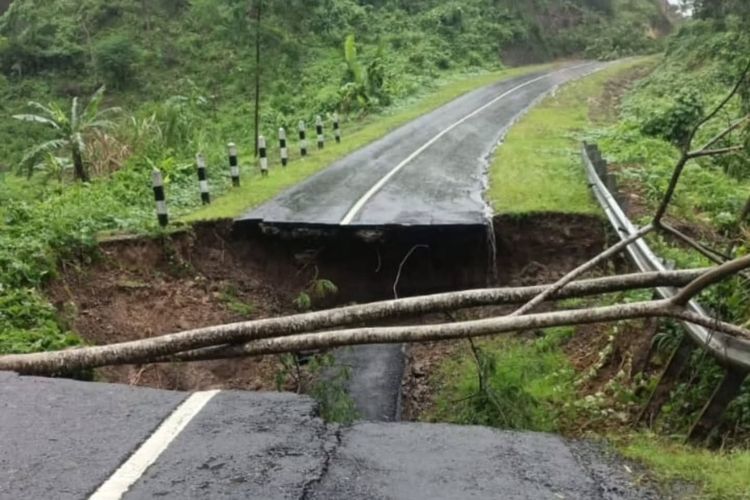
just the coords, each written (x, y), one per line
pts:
(70, 128)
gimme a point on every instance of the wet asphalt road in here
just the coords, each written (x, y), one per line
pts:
(62, 439)
(429, 172)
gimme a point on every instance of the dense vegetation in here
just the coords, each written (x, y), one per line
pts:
(182, 74)
(179, 78)
(702, 62)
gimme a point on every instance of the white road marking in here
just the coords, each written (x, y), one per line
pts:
(133, 468)
(379, 185)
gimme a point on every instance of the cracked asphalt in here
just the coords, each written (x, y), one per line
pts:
(62, 439)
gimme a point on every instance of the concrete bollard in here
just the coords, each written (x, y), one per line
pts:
(283, 148)
(234, 166)
(263, 152)
(319, 130)
(302, 138)
(160, 197)
(200, 160)
(336, 128)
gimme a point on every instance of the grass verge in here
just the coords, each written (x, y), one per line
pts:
(255, 190)
(526, 384)
(717, 476)
(538, 167)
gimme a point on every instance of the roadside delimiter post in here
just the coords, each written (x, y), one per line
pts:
(234, 166)
(263, 152)
(283, 147)
(200, 160)
(336, 128)
(319, 130)
(302, 139)
(159, 196)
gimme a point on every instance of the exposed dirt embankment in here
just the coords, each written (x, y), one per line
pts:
(145, 287)
(217, 274)
(531, 250)
(534, 248)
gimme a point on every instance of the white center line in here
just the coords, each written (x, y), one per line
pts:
(133, 468)
(378, 185)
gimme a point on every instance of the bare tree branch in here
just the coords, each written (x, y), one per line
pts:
(153, 348)
(711, 254)
(610, 252)
(717, 109)
(734, 126)
(715, 152)
(686, 155)
(470, 329)
(710, 278)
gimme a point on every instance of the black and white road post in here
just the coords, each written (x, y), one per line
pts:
(319, 130)
(263, 152)
(160, 197)
(200, 160)
(302, 138)
(234, 165)
(336, 128)
(283, 148)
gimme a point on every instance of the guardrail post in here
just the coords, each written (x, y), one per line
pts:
(610, 181)
(160, 197)
(283, 148)
(669, 377)
(302, 138)
(234, 165)
(200, 160)
(710, 416)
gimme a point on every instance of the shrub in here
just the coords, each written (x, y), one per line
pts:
(117, 58)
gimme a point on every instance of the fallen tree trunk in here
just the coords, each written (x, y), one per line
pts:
(149, 350)
(466, 329)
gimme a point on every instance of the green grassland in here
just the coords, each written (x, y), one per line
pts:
(538, 168)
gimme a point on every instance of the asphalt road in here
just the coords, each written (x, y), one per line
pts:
(429, 172)
(63, 440)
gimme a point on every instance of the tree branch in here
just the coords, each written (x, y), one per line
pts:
(149, 349)
(467, 329)
(725, 132)
(710, 278)
(613, 250)
(714, 152)
(711, 254)
(680, 166)
(721, 105)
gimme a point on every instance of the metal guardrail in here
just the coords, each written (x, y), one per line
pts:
(729, 351)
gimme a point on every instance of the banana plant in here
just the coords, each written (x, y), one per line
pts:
(71, 129)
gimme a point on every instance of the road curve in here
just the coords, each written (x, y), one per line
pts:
(431, 171)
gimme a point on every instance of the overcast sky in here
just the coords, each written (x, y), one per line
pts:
(676, 2)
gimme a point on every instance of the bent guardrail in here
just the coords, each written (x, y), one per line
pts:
(728, 350)
(731, 352)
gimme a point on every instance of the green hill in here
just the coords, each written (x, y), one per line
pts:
(204, 50)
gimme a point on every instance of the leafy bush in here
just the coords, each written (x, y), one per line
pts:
(526, 384)
(117, 57)
(676, 119)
